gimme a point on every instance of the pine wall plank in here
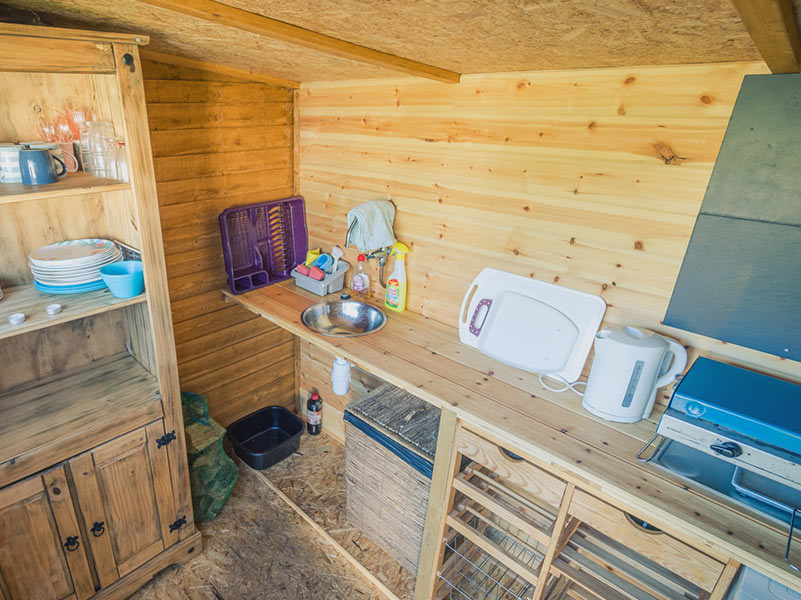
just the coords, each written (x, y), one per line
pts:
(588, 179)
(219, 142)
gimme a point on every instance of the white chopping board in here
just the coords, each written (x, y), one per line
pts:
(530, 324)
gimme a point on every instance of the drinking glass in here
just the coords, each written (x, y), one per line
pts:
(99, 135)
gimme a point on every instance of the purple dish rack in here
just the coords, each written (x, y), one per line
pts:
(263, 242)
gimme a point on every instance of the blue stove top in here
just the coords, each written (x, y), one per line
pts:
(756, 405)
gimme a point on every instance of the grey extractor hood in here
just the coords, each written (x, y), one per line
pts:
(741, 277)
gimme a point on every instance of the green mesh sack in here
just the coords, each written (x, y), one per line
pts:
(212, 474)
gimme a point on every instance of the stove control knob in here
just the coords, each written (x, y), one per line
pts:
(694, 409)
(727, 449)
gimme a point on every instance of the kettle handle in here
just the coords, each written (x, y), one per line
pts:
(675, 365)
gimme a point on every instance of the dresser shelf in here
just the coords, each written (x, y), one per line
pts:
(27, 299)
(71, 185)
(52, 419)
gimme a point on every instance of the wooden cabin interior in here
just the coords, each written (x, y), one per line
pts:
(610, 412)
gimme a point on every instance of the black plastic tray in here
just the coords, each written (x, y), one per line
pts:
(266, 437)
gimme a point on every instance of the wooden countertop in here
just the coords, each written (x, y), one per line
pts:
(426, 358)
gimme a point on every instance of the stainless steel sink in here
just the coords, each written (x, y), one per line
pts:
(343, 318)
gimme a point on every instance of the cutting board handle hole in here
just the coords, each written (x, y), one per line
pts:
(467, 303)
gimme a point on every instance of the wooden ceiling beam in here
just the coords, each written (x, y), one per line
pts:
(212, 67)
(229, 16)
(774, 30)
(71, 34)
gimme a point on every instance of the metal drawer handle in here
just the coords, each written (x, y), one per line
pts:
(98, 529)
(72, 543)
(790, 541)
(509, 455)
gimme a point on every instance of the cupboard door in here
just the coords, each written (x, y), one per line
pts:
(131, 494)
(95, 522)
(41, 554)
(63, 508)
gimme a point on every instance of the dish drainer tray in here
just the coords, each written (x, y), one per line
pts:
(263, 242)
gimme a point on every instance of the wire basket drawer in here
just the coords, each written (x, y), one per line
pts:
(495, 542)
(515, 531)
(593, 566)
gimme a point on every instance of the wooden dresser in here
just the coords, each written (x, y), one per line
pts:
(94, 484)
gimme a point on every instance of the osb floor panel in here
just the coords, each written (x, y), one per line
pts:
(259, 548)
(314, 478)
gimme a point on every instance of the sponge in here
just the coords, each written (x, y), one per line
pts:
(302, 269)
(317, 273)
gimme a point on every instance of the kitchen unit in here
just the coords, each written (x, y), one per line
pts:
(580, 471)
(94, 487)
(523, 140)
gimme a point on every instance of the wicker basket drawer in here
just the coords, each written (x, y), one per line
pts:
(390, 439)
(681, 559)
(522, 475)
(386, 498)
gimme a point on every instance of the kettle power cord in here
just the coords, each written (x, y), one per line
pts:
(566, 384)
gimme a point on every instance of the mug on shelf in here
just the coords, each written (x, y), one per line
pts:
(69, 156)
(9, 163)
(58, 152)
(36, 166)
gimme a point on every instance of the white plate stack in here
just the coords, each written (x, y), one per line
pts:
(72, 267)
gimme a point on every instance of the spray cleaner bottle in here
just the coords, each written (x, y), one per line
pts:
(395, 298)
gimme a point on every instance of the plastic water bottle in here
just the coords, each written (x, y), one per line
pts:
(361, 281)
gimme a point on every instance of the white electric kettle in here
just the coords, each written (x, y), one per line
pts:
(630, 365)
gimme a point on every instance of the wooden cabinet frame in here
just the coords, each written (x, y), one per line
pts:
(142, 374)
(143, 183)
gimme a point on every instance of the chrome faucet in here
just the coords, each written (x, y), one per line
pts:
(381, 254)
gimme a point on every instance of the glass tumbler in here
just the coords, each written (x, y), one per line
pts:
(99, 136)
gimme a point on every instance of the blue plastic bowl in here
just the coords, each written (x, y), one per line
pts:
(125, 279)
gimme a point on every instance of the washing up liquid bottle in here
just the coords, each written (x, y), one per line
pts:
(395, 298)
(360, 285)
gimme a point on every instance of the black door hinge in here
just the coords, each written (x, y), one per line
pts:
(178, 524)
(165, 439)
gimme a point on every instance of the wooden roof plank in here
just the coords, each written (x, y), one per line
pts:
(774, 30)
(213, 67)
(216, 12)
(71, 34)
